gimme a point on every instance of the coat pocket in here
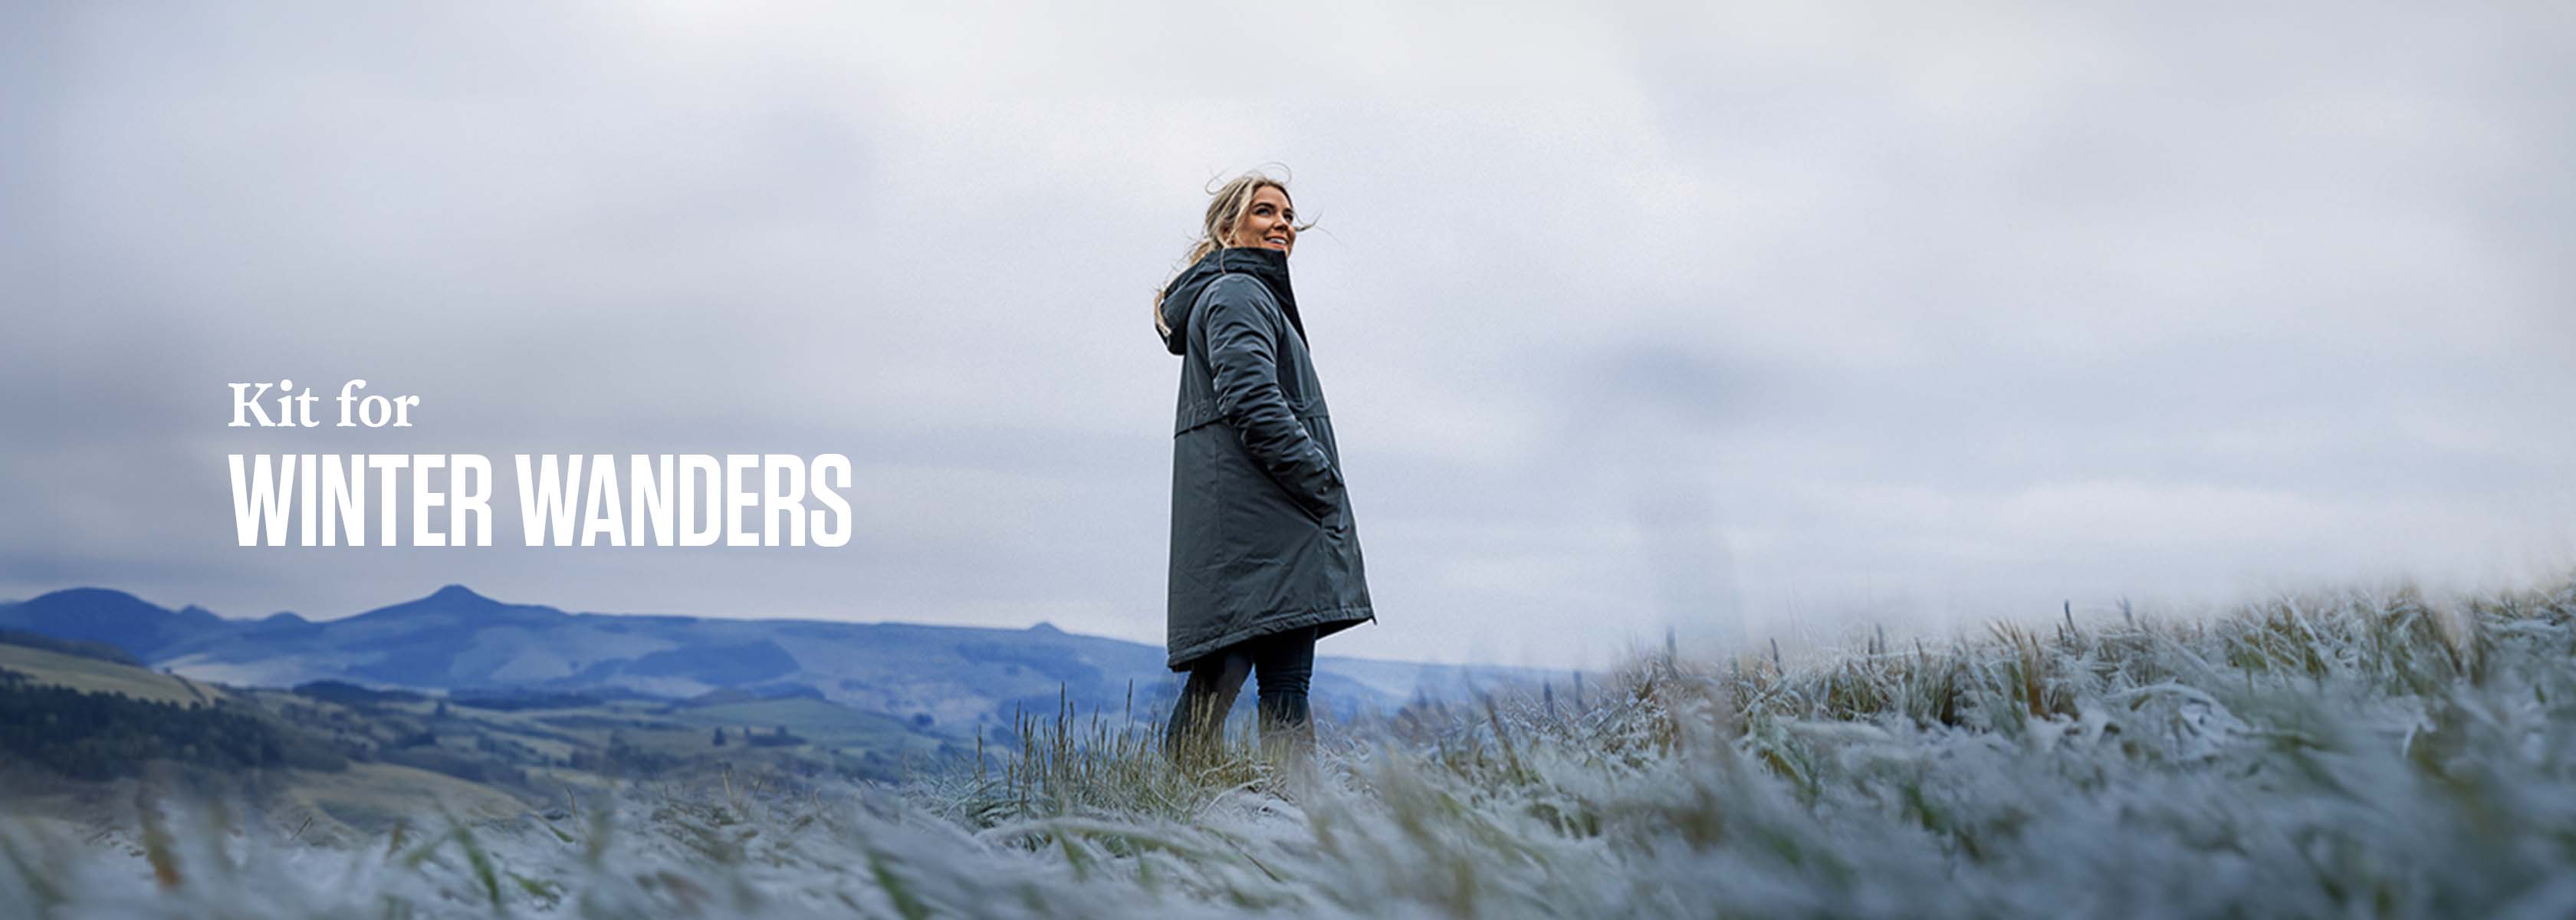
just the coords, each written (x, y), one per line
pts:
(1319, 429)
(1329, 514)
(1317, 508)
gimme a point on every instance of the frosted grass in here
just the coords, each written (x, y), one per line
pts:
(2369, 753)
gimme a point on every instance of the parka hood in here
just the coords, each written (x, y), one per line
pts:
(1269, 266)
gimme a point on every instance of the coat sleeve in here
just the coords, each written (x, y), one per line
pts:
(1243, 352)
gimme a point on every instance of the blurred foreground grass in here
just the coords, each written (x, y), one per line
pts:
(2365, 753)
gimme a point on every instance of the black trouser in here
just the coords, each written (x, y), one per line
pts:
(1285, 663)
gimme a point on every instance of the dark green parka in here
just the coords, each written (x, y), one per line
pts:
(1262, 538)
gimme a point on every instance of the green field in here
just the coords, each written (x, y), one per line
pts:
(97, 676)
(405, 759)
(821, 723)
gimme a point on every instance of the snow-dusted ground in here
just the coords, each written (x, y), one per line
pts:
(2373, 753)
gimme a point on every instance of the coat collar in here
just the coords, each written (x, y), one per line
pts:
(1270, 267)
(1263, 264)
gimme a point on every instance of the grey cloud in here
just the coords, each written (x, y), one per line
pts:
(1754, 320)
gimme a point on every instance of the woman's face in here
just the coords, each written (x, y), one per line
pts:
(1271, 222)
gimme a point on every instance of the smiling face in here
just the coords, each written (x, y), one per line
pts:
(1270, 223)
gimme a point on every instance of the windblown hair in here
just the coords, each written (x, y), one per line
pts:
(1228, 205)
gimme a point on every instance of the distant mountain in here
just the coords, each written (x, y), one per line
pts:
(112, 617)
(459, 641)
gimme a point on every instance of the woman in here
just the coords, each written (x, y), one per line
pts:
(1264, 557)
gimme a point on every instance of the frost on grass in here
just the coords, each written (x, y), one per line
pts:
(2371, 753)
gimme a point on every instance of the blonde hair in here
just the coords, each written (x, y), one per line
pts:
(1228, 205)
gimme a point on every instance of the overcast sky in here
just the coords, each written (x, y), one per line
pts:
(1761, 323)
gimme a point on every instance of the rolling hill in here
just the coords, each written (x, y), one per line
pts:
(938, 679)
